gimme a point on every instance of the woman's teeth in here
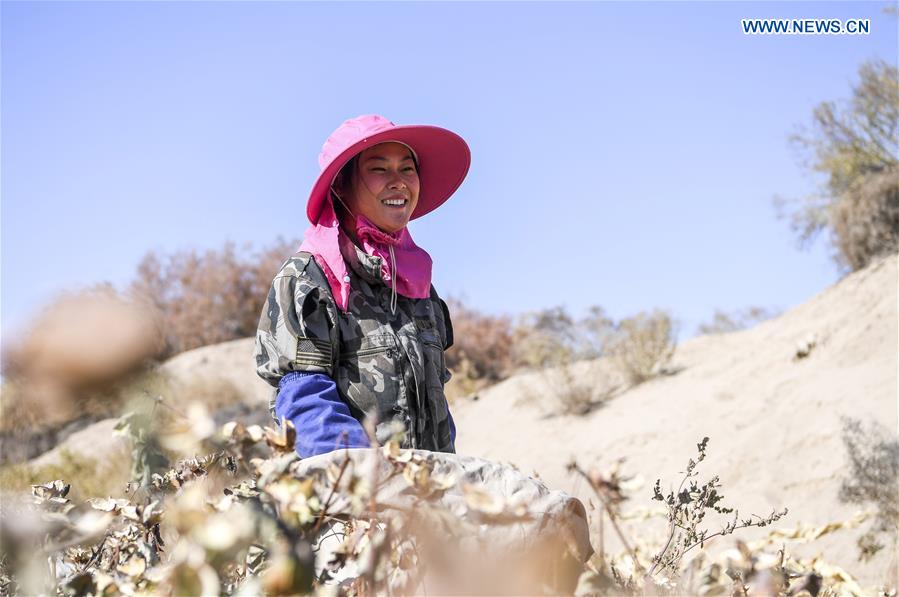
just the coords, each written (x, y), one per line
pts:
(394, 202)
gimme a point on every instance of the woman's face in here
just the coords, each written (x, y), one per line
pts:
(385, 186)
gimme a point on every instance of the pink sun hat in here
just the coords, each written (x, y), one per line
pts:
(443, 159)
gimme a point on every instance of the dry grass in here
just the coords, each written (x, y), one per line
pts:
(643, 345)
(577, 394)
(106, 476)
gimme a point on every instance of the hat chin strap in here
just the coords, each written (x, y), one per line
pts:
(340, 200)
(392, 280)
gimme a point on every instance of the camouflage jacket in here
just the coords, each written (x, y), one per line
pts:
(388, 365)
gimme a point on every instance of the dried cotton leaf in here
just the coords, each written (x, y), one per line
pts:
(482, 501)
(92, 523)
(107, 504)
(135, 566)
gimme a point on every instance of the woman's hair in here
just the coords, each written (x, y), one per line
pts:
(341, 184)
(344, 178)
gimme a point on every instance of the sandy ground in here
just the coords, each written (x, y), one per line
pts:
(774, 421)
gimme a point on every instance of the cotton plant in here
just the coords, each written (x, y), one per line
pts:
(242, 519)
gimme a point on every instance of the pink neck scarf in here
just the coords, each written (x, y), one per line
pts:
(405, 266)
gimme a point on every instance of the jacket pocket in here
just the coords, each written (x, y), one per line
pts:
(369, 378)
(435, 360)
(435, 365)
(437, 434)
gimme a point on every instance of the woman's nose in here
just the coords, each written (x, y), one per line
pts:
(396, 181)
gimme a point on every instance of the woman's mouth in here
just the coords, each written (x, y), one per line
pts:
(394, 202)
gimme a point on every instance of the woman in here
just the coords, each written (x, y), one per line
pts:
(352, 328)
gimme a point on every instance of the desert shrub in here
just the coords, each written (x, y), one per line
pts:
(553, 342)
(576, 393)
(569, 388)
(643, 345)
(544, 338)
(855, 147)
(211, 297)
(723, 322)
(596, 332)
(552, 337)
(873, 479)
(687, 510)
(481, 351)
(866, 221)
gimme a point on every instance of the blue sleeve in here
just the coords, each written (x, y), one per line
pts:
(452, 425)
(322, 420)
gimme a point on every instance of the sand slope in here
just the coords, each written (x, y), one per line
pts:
(774, 422)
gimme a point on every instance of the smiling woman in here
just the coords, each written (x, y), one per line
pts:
(381, 184)
(353, 329)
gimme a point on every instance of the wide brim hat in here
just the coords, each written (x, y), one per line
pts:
(443, 159)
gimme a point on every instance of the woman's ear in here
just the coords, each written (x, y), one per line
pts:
(343, 183)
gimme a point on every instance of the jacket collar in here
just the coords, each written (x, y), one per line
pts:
(367, 267)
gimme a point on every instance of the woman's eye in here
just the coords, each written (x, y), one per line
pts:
(378, 169)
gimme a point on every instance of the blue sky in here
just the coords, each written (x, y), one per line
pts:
(623, 154)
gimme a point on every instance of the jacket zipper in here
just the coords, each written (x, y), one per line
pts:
(414, 420)
(365, 352)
